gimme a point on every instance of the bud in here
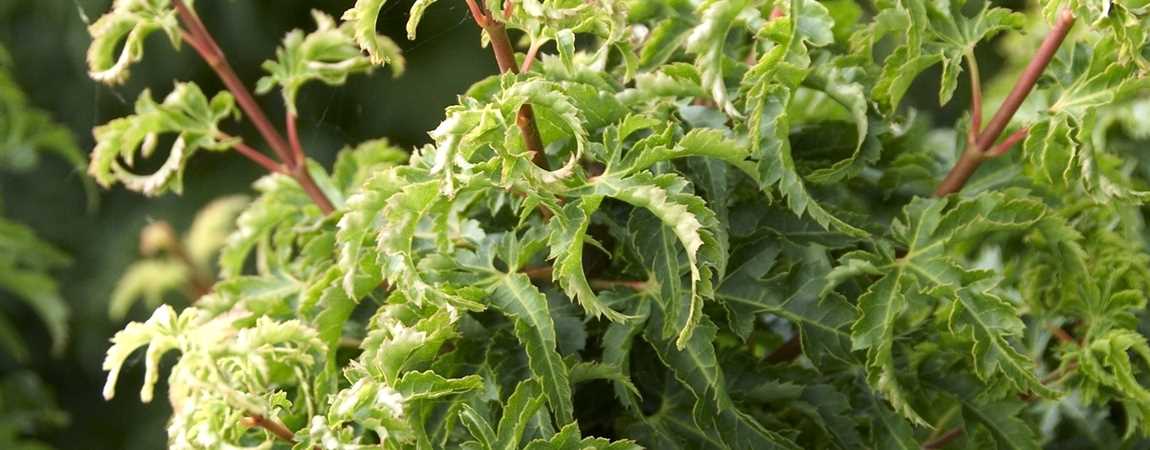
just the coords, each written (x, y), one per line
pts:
(156, 237)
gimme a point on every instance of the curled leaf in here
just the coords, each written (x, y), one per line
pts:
(185, 112)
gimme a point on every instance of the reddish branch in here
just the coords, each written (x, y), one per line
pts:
(505, 58)
(981, 146)
(259, 158)
(790, 350)
(293, 163)
(1063, 336)
(942, 440)
(293, 139)
(545, 273)
(276, 428)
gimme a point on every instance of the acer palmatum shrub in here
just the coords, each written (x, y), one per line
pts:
(665, 224)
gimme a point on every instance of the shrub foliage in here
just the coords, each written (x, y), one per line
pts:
(664, 224)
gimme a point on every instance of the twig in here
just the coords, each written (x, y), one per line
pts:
(529, 58)
(603, 285)
(303, 177)
(1026, 81)
(1063, 336)
(546, 273)
(298, 157)
(259, 158)
(941, 441)
(976, 153)
(1002, 147)
(198, 37)
(543, 273)
(271, 425)
(790, 350)
(505, 58)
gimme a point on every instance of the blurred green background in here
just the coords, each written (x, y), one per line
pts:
(47, 40)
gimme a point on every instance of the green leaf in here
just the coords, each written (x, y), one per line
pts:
(415, 15)
(567, 241)
(924, 272)
(428, 385)
(516, 297)
(568, 438)
(185, 112)
(126, 27)
(328, 54)
(149, 281)
(364, 209)
(690, 221)
(708, 40)
(210, 228)
(696, 366)
(520, 407)
(709, 143)
(380, 49)
(769, 123)
(24, 264)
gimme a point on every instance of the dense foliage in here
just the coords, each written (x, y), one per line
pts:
(666, 224)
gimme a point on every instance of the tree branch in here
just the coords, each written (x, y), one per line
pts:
(272, 426)
(603, 285)
(941, 441)
(259, 158)
(505, 58)
(198, 37)
(303, 177)
(790, 350)
(976, 152)
(1002, 147)
(546, 273)
(293, 139)
(529, 58)
(1026, 81)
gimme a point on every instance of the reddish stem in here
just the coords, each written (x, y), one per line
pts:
(974, 154)
(943, 440)
(198, 37)
(539, 273)
(298, 157)
(546, 273)
(529, 58)
(1062, 335)
(1026, 81)
(259, 158)
(1002, 147)
(505, 58)
(603, 285)
(303, 177)
(790, 350)
(276, 428)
